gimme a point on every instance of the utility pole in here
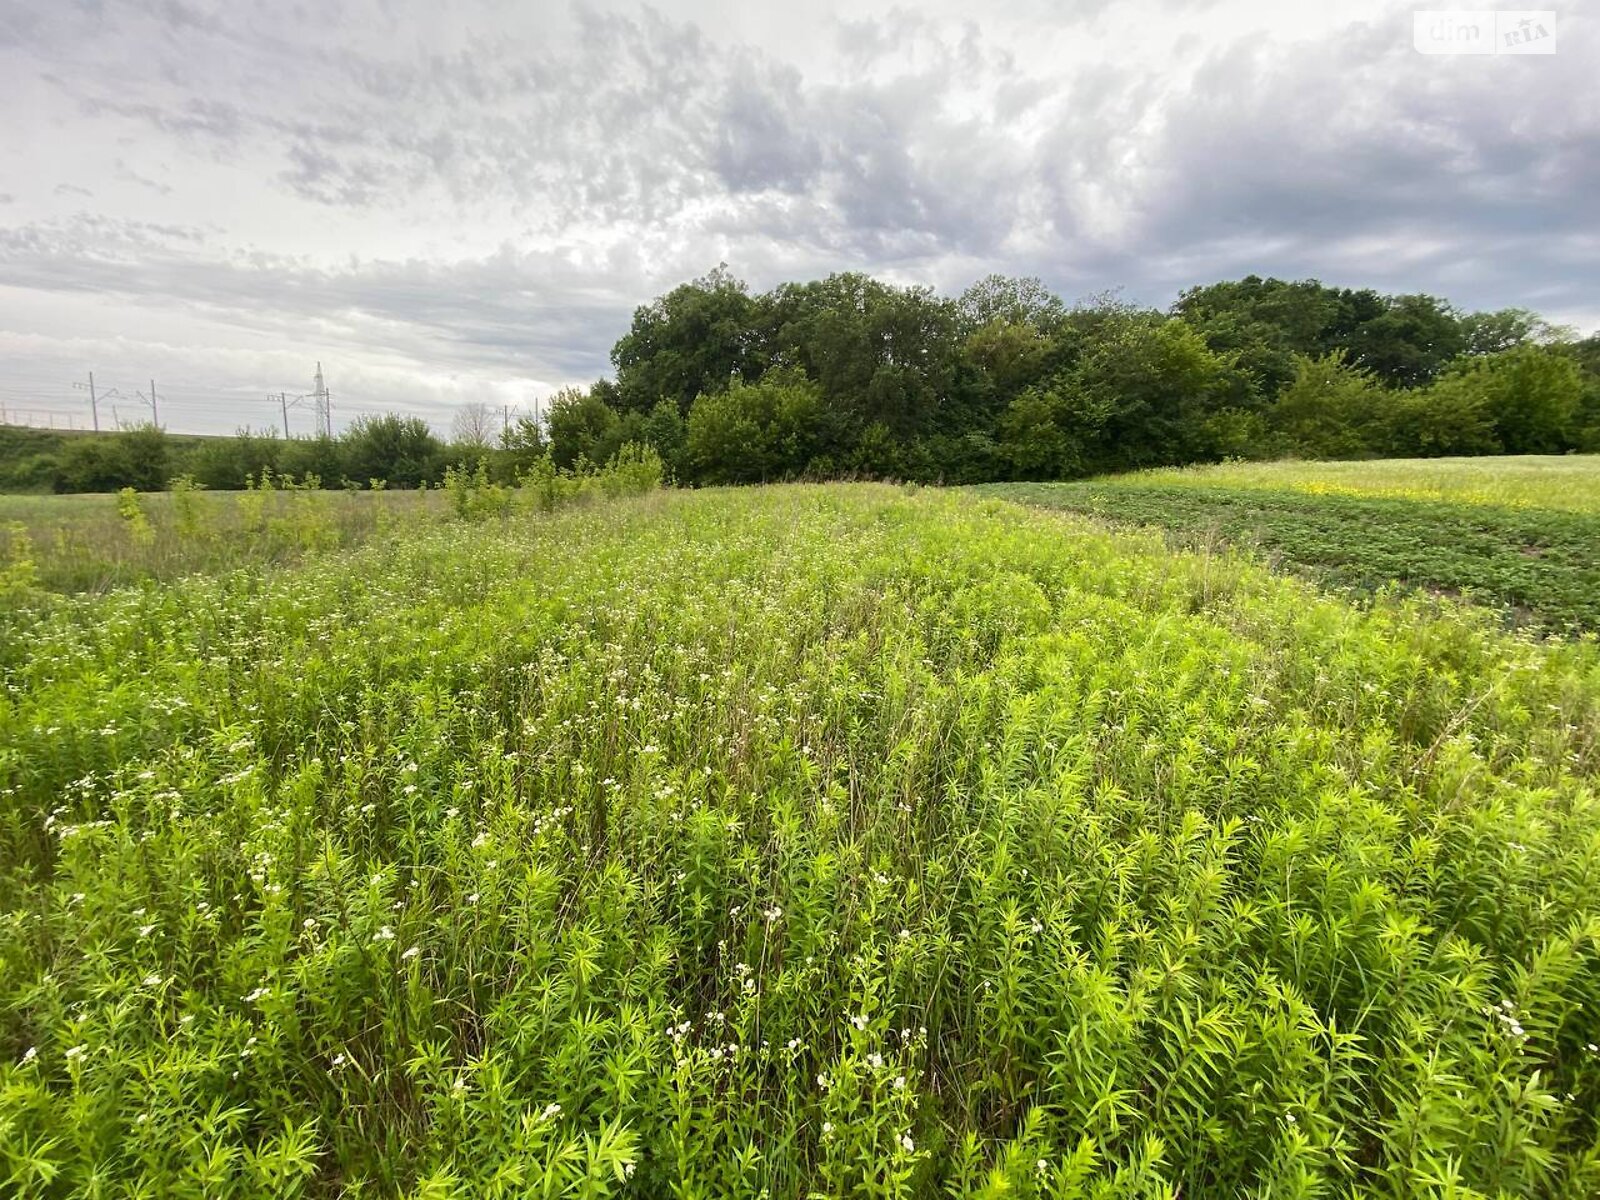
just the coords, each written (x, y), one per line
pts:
(94, 401)
(155, 413)
(283, 404)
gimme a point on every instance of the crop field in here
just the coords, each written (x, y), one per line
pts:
(1523, 538)
(1570, 481)
(793, 841)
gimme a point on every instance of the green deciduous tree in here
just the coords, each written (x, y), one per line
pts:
(1531, 395)
(1331, 409)
(401, 450)
(754, 432)
(696, 338)
(581, 425)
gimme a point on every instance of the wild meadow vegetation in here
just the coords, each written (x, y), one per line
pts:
(797, 841)
(1520, 534)
(92, 542)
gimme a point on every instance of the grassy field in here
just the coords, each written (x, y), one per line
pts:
(82, 543)
(1570, 482)
(1520, 535)
(794, 841)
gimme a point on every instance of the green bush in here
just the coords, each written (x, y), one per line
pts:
(753, 432)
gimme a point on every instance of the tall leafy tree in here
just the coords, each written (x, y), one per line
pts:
(1409, 341)
(697, 338)
(582, 425)
(1263, 323)
(1531, 395)
(1331, 409)
(880, 354)
(1002, 299)
(401, 450)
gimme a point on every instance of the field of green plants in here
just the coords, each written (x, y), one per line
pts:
(91, 542)
(794, 841)
(1521, 535)
(1568, 482)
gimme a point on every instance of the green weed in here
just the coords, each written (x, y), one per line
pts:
(794, 841)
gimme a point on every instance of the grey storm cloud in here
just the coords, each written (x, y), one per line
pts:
(487, 191)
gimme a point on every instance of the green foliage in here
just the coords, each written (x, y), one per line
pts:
(632, 471)
(1408, 341)
(804, 841)
(19, 574)
(1531, 394)
(755, 432)
(137, 457)
(881, 355)
(521, 445)
(1450, 418)
(1049, 432)
(666, 431)
(131, 509)
(187, 510)
(1263, 324)
(997, 301)
(227, 463)
(1331, 409)
(473, 496)
(582, 427)
(1003, 381)
(1541, 566)
(697, 338)
(401, 450)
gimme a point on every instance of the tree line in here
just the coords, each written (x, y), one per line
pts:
(853, 376)
(850, 376)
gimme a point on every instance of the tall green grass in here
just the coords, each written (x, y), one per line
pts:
(799, 841)
(85, 543)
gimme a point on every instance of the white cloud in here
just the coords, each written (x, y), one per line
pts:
(444, 202)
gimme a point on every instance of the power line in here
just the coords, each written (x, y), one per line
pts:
(94, 401)
(155, 413)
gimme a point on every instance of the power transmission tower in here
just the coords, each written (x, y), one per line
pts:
(324, 404)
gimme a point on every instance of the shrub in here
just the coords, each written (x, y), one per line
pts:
(753, 432)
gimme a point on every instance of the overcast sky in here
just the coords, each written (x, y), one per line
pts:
(451, 201)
